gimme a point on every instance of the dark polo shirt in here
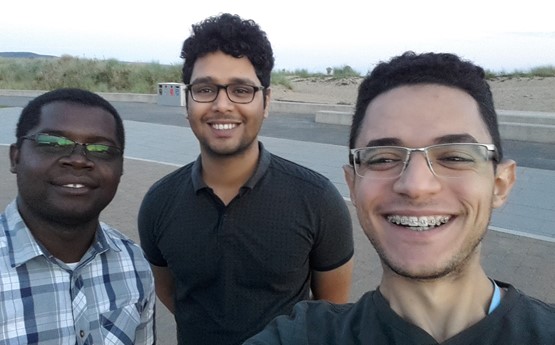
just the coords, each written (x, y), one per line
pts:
(238, 266)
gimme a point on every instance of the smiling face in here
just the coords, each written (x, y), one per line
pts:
(459, 208)
(70, 189)
(222, 127)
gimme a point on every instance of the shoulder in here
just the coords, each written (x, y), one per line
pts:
(534, 307)
(171, 180)
(526, 316)
(315, 322)
(296, 172)
(166, 190)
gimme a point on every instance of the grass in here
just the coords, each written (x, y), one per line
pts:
(96, 75)
(536, 72)
(115, 76)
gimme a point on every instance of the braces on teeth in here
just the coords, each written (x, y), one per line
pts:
(420, 222)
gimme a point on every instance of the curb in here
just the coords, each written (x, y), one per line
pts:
(530, 126)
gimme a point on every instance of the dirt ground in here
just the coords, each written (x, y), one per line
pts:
(526, 94)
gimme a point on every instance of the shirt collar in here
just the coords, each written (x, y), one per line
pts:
(24, 247)
(262, 166)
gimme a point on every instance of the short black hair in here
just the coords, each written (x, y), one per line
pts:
(428, 68)
(30, 115)
(233, 36)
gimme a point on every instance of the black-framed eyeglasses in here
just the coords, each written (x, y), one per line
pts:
(444, 160)
(62, 146)
(237, 93)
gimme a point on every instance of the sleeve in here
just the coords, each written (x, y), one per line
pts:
(333, 245)
(150, 213)
(146, 332)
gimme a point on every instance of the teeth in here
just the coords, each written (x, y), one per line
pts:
(224, 126)
(74, 185)
(419, 223)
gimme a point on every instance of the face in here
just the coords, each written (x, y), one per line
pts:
(419, 116)
(222, 127)
(70, 189)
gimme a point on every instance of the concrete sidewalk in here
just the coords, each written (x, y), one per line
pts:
(522, 251)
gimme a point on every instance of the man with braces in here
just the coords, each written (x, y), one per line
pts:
(426, 170)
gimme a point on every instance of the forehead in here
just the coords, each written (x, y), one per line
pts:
(417, 115)
(77, 120)
(221, 68)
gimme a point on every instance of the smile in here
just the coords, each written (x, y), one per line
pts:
(224, 126)
(418, 223)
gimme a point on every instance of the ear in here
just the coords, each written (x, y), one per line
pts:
(505, 178)
(349, 172)
(14, 158)
(267, 98)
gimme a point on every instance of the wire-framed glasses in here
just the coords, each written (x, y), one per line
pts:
(62, 146)
(444, 160)
(237, 93)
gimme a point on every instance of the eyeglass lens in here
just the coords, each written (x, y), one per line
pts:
(237, 93)
(54, 144)
(445, 160)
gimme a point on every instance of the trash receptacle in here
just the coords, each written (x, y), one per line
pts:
(171, 94)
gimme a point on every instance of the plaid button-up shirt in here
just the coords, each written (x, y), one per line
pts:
(107, 298)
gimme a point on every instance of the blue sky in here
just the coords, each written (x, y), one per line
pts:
(304, 34)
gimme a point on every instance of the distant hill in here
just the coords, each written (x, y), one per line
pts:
(24, 55)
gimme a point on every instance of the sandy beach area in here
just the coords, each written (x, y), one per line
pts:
(525, 94)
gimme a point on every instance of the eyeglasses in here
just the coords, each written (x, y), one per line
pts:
(444, 160)
(61, 146)
(237, 93)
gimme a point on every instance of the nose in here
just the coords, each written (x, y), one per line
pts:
(417, 180)
(77, 157)
(222, 101)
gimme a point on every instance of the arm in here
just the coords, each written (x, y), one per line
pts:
(165, 286)
(334, 285)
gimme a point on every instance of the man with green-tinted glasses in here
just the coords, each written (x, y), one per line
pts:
(426, 169)
(65, 277)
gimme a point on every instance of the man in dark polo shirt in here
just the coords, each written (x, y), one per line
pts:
(240, 235)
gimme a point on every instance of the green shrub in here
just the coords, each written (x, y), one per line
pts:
(96, 75)
(281, 78)
(114, 76)
(345, 71)
(543, 71)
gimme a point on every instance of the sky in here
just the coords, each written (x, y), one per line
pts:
(499, 35)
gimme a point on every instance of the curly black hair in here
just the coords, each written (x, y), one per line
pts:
(30, 115)
(233, 36)
(428, 68)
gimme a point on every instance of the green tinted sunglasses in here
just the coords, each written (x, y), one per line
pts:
(57, 145)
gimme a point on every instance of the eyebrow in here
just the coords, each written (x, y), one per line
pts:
(456, 138)
(232, 81)
(445, 139)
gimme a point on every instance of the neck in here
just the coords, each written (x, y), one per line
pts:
(66, 242)
(442, 307)
(227, 174)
